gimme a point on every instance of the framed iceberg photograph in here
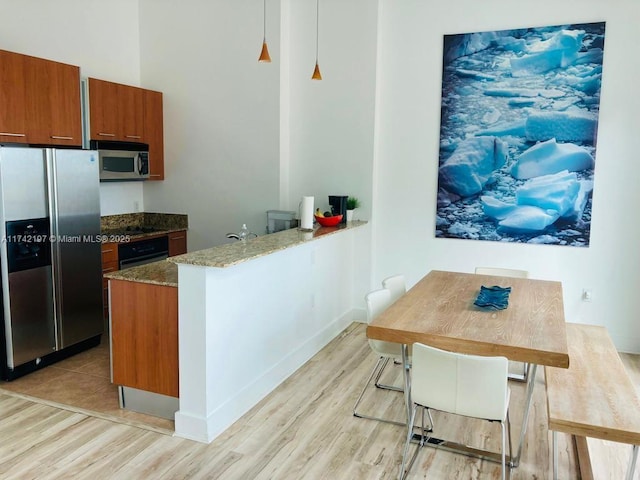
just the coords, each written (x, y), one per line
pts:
(518, 131)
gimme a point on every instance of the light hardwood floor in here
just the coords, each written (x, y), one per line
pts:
(302, 430)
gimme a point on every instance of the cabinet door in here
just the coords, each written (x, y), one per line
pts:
(154, 133)
(66, 112)
(53, 102)
(131, 113)
(12, 98)
(109, 264)
(177, 243)
(103, 110)
(144, 337)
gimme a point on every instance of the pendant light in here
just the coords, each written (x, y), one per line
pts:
(316, 71)
(264, 53)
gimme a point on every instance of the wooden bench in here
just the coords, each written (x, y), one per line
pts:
(594, 397)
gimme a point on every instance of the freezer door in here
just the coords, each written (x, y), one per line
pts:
(23, 185)
(27, 304)
(75, 227)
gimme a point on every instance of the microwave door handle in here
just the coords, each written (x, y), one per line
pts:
(139, 159)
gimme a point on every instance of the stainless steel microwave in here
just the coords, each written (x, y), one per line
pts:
(122, 161)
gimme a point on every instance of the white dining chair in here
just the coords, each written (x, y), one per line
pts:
(396, 285)
(378, 301)
(514, 273)
(468, 385)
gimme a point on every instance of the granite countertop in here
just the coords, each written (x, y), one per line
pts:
(118, 236)
(113, 227)
(237, 252)
(161, 272)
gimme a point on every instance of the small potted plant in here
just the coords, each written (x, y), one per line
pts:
(352, 204)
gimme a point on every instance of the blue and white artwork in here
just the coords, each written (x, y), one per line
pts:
(518, 133)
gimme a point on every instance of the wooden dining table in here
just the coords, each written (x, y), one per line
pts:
(439, 311)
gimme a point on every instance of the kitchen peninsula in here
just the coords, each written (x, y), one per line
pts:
(143, 305)
(251, 313)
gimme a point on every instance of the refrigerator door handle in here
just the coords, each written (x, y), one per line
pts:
(52, 188)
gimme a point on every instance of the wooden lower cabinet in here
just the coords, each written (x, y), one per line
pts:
(144, 336)
(177, 243)
(109, 264)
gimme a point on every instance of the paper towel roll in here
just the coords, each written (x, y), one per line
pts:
(306, 213)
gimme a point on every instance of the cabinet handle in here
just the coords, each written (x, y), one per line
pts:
(107, 250)
(7, 134)
(177, 238)
(106, 134)
(132, 136)
(155, 175)
(57, 137)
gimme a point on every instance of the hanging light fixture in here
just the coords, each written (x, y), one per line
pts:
(264, 53)
(316, 71)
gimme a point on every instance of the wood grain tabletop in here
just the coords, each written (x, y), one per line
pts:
(439, 311)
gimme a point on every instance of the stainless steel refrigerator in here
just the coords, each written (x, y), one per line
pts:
(50, 256)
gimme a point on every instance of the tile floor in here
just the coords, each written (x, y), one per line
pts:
(82, 383)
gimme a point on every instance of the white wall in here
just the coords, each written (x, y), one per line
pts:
(119, 197)
(225, 153)
(331, 134)
(409, 81)
(221, 113)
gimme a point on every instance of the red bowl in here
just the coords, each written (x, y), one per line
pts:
(329, 221)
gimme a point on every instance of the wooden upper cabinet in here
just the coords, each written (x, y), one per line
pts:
(39, 101)
(103, 110)
(116, 111)
(131, 111)
(13, 118)
(53, 103)
(154, 133)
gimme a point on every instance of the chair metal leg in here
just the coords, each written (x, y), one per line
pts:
(509, 440)
(554, 436)
(380, 364)
(632, 462)
(502, 450)
(505, 427)
(412, 418)
(382, 385)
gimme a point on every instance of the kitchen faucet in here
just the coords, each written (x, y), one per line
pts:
(244, 234)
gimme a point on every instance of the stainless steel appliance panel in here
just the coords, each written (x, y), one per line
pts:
(23, 186)
(77, 258)
(32, 323)
(122, 161)
(143, 252)
(27, 313)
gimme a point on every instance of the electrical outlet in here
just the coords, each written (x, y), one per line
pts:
(136, 206)
(586, 295)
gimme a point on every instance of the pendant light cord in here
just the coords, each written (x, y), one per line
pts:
(317, 26)
(264, 21)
